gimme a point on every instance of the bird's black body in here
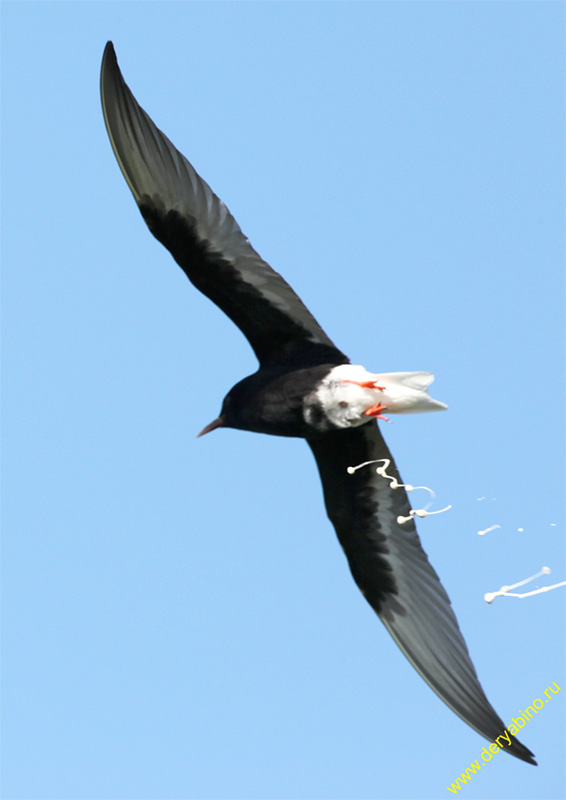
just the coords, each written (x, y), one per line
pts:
(292, 394)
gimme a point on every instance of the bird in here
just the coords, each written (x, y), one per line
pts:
(306, 387)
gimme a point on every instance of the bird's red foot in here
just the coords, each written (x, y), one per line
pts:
(375, 411)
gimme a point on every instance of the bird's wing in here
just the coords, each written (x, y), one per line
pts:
(394, 574)
(185, 215)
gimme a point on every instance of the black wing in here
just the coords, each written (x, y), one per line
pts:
(394, 574)
(185, 215)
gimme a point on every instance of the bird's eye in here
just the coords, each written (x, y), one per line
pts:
(343, 404)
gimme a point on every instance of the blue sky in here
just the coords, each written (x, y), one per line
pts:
(179, 621)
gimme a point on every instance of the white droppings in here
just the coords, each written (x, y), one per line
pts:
(351, 470)
(488, 530)
(505, 591)
(394, 484)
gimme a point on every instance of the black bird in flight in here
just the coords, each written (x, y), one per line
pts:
(305, 387)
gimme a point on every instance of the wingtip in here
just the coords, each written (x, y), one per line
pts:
(523, 753)
(109, 62)
(109, 50)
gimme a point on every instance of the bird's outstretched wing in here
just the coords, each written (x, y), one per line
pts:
(185, 215)
(395, 576)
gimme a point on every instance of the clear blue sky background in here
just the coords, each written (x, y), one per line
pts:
(179, 621)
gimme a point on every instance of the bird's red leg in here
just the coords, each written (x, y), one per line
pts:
(366, 384)
(375, 411)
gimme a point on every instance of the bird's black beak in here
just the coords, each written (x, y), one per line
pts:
(216, 423)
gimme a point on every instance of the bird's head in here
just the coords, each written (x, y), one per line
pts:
(224, 420)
